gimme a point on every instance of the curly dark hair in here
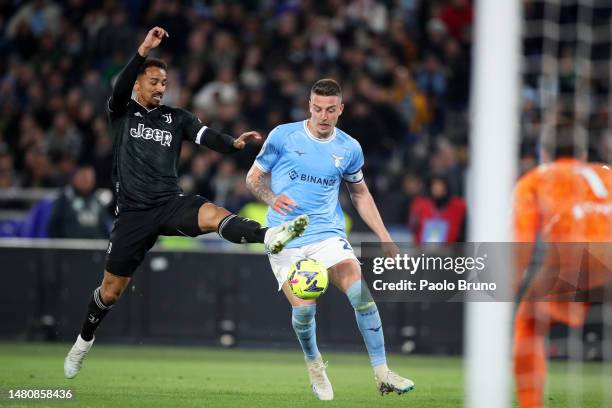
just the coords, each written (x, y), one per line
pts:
(152, 62)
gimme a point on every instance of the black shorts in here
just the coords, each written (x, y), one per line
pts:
(135, 232)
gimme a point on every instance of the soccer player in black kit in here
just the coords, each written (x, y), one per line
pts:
(147, 141)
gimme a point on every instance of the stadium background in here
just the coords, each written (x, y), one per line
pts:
(405, 69)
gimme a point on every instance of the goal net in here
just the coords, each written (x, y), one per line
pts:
(563, 55)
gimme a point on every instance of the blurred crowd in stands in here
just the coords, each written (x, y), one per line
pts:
(404, 66)
(566, 74)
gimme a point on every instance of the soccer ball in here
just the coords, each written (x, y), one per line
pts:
(307, 279)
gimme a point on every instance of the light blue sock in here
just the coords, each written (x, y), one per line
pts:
(369, 323)
(305, 326)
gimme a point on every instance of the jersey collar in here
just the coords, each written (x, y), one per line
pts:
(310, 135)
(143, 107)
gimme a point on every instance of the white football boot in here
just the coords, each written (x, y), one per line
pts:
(321, 387)
(75, 357)
(278, 237)
(388, 381)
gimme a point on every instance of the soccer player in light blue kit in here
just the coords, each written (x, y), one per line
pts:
(307, 161)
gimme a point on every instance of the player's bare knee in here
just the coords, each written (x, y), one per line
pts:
(344, 274)
(294, 300)
(109, 295)
(112, 288)
(210, 216)
(351, 277)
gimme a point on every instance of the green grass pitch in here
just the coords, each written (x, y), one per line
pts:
(143, 376)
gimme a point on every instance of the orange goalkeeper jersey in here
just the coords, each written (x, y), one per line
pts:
(564, 201)
(567, 201)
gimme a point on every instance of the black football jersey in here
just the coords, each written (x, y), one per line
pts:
(147, 145)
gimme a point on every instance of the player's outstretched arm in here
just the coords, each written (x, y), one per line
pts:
(256, 183)
(366, 207)
(125, 82)
(222, 142)
(152, 40)
(244, 138)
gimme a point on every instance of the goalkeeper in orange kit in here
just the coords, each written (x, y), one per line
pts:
(566, 204)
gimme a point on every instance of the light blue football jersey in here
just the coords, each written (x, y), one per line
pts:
(310, 171)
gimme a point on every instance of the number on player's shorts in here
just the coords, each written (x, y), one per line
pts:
(347, 246)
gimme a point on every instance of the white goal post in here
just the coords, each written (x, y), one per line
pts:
(492, 172)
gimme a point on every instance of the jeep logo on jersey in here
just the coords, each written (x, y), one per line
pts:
(162, 136)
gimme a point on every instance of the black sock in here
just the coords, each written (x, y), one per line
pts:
(241, 230)
(95, 313)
